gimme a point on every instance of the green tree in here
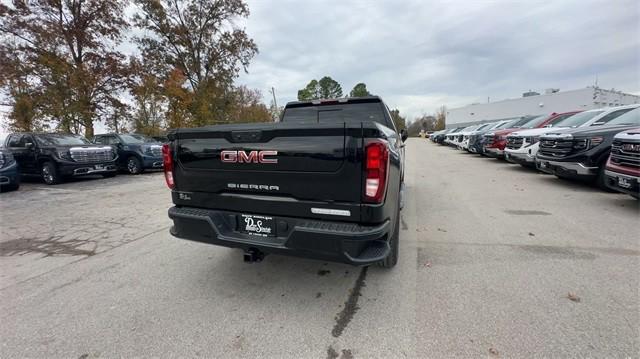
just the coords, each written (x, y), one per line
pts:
(68, 48)
(329, 88)
(324, 89)
(398, 120)
(310, 92)
(359, 90)
(200, 39)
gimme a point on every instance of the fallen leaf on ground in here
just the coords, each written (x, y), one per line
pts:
(493, 351)
(428, 264)
(573, 297)
(531, 234)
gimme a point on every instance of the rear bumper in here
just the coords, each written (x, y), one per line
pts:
(331, 241)
(623, 183)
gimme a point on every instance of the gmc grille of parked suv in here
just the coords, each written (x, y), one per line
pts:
(87, 155)
(514, 143)
(557, 147)
(624, 158)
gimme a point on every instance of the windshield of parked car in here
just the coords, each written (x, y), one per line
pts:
(629, 118)
(54, 139)
(578, 119)
(135, 139)
(485, 126)
(505, 124)
(520, 122)
(535, 122)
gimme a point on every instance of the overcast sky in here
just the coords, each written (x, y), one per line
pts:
(423, 54)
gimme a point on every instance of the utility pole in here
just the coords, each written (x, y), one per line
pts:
(275, 103)
(273, 92)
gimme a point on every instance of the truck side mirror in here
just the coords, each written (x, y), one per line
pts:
(403, 134)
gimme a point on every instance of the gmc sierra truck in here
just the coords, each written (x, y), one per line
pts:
(324, 183)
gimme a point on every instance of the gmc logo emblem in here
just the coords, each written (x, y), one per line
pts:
(630, 147)
(230, 156)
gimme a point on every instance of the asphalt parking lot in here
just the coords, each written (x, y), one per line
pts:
(496, 260)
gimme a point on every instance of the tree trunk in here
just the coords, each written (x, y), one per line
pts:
(88, 127)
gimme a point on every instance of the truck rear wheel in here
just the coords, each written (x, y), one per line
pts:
(394, 243)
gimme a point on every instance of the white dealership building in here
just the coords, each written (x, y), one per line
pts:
(533, 103)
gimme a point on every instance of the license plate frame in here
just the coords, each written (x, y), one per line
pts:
(257, 225)
(624, 182)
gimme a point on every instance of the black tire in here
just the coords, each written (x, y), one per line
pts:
(50, 174)
(134, 165)
(109, 175)
(394, 243)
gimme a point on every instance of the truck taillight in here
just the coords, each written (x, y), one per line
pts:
(376, 168)
(167, 162)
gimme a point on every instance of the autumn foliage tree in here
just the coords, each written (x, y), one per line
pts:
(194, 47)
(68, 51)
(248, 107)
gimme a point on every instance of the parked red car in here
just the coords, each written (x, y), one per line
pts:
(495, 142)
(623, 167)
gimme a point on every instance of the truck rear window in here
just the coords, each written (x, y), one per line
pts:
(356, 112)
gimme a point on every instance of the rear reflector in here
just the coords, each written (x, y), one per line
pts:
(167, 161)
(332, 212)
(376, 170)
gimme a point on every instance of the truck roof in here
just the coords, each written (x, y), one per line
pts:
(334, 101)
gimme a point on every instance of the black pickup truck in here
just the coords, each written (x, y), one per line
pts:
(325, 183)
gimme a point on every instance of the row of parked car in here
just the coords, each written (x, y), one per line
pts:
(600, 145)
(55, 157)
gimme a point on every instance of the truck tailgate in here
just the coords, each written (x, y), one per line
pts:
(301, 165)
